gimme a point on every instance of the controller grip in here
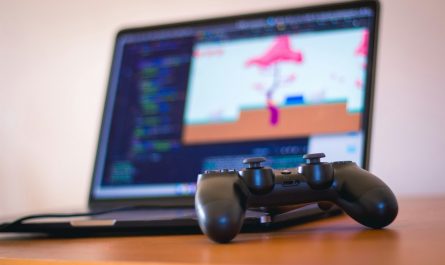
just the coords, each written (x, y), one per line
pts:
(220, 203)
(379, 208)
(365, 197)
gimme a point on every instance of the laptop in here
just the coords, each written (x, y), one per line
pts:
(202, 95)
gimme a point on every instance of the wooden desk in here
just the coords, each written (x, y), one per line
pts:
(416, 237)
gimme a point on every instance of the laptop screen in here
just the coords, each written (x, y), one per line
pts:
(204, 95)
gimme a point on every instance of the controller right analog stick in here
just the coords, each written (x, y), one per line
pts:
(319, 175)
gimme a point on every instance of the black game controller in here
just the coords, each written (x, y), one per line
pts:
(223, 196)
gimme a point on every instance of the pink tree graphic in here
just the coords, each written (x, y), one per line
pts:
(362, 51)
(280, 51)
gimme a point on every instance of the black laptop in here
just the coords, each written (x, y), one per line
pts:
(203, 95)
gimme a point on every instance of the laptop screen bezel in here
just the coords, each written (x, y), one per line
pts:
(94, 202)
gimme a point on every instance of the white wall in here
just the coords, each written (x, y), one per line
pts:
(54, 62)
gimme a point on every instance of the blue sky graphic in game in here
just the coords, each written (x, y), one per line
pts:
(274, 74)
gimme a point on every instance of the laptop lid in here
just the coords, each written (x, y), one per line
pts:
(202, 95)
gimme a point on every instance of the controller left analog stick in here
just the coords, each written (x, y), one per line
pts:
(260, 180)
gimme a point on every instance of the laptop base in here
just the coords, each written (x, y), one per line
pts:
(105, 225)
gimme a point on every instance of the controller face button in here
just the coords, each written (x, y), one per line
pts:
(285, 172)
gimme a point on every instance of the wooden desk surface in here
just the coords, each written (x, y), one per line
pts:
(416, 237)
